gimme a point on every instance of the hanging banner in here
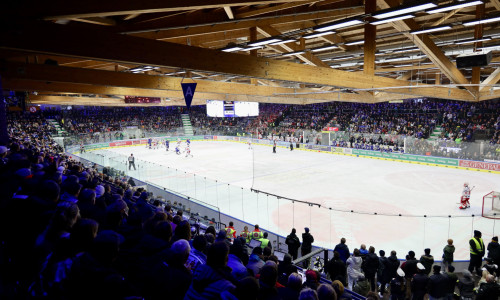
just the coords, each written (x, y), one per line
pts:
(188, 91)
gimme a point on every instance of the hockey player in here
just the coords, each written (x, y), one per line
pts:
(464, 200)
(177, 150)
(249, 143)
(188, 151)
(150, 141)
(188, 142)
(167, 144)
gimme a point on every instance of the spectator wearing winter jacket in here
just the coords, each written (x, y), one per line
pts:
(419, 283)
(343, 250)
(452, 282)
(370, 266)
(448, 255)
(494, 250)
(336, 268)
(438, 284)
(391, 265)
(210, 280)
(354, 268)
(490, 290)
(293, 243)
(466, 285)
(427, 260)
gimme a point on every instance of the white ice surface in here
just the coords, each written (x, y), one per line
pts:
(332, 181)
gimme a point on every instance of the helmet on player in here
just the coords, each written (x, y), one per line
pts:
(466, 184)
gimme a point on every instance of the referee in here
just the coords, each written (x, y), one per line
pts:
(131, 161)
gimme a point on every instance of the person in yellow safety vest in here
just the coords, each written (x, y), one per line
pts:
(256, 233)
(265, 242)
(246, 234)
(476, 252)
(230, 231)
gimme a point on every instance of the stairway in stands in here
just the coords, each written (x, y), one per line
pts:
(436, 133)
(186, 123)
(60, 130)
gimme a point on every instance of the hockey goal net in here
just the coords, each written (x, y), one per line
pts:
(491, 205)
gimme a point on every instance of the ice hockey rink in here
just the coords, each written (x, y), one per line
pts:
(360, 199)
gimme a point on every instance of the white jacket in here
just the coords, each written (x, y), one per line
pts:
(354, 267)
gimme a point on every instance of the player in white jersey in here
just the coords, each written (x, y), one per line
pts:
(188, 151)
(464, 200)
(249, 143)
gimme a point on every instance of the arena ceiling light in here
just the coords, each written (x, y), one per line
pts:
(315, 35)
(252, 48)
(232, 49)
(283, 42)
(454, 6)
(354, 43)
(432, 29)
(403, 10)
(338, 24)
(472, 41)
(379, 22)
(293, 53)
(325, 48)
(484, 21)
(264, 42)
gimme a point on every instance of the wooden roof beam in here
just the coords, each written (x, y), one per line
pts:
(307, 57)
(201, 29)
(272, 9)
(492, 79)
(60, 9)
(61, 40)
(427, 46)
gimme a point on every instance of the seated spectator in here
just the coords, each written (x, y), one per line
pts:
(326, 292)
(488, 290)
(308, 294)
(210, 280)
(362, 286)
(312, 279)
(293, 287)
(255, 263)
(339, 290)
(285, 268)
(239, 271)
(267, 282)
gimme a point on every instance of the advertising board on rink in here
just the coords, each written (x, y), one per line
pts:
(480, 165)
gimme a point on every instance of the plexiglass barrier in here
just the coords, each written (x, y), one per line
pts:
(276, 214)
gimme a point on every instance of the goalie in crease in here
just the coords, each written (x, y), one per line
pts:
(464, 200)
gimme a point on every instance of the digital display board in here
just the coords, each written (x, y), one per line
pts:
(216, 108)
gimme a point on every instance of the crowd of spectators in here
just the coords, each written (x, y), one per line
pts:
(72, 232)
(90, 120)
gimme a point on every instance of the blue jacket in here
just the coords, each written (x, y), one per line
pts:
(343, 251)
(209, 283)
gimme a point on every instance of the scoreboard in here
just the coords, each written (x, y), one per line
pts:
(216, 108)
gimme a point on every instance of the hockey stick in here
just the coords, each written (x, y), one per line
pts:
(469, 192)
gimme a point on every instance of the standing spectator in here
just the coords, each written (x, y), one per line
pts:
(489, 290)
(343, 250)
(370, 267)
(419, 283)
(391, 267)
(131, 161)
(354, 268)
(466, 285)
(438, 284)
(336, 268)
(381, 265)
(452, 282)
(307, 240)
(476, 252)
(398, 285)
(494, 250)
(427, 260)
(448, 255)
(410, 268)
(293, 243)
